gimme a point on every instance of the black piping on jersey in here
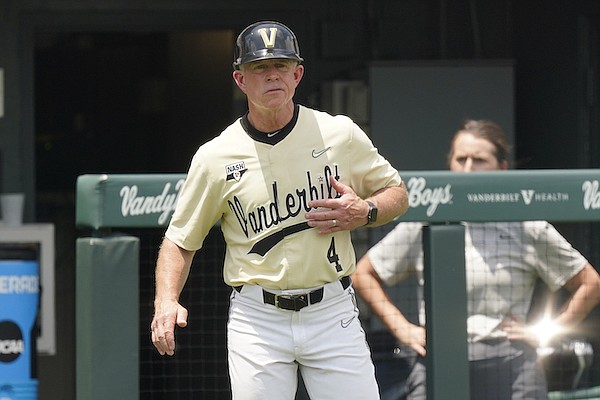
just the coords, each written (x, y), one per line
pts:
(265, 244)
(263, 137)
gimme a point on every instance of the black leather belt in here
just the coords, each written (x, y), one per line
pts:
(297, 302)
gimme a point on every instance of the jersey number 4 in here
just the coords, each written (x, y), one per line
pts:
(333, 257)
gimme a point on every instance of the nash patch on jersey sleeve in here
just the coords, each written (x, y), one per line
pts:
(235, 171)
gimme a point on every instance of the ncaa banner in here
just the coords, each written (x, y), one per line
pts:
(148, 200)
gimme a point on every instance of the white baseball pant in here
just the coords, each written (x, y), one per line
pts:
(266, 346)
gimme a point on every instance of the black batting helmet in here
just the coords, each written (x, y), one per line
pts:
(263, 40)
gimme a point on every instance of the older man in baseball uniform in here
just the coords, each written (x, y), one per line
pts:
(288, 184)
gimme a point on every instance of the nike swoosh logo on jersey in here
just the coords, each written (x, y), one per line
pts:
(273, 133)
(346, 323)
(319, 153)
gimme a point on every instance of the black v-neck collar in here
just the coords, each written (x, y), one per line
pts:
(270, 137)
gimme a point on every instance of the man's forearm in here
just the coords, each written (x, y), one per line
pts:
(172, 270)
(391, 202)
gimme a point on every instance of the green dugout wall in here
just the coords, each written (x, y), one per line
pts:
(107, 340)
(107, 323)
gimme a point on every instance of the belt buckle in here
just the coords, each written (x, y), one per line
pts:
(298, 302)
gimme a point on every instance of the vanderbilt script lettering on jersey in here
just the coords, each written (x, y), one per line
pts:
(591, 195)
(420, 195)
(162, 204)
(283, 206)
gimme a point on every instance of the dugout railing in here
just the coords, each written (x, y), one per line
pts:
(108, 329)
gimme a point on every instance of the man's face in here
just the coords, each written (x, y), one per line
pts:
(269, 83)
(472, 153)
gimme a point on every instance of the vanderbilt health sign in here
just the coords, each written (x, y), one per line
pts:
(148, 200)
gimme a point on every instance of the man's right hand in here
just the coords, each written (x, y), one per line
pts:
(167, 314)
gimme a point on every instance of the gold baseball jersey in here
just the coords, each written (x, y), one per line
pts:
(260, 191)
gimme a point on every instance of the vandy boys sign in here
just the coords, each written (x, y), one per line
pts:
(122, 200)
(554, 195)
(148, 200)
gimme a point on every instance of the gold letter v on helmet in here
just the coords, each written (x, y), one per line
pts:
(269, 41)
